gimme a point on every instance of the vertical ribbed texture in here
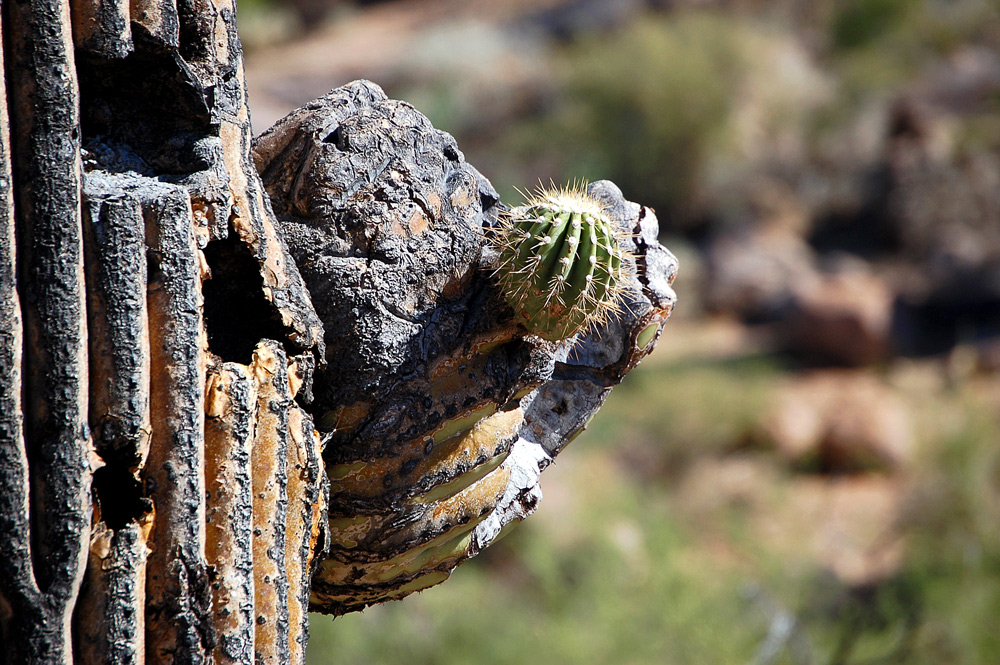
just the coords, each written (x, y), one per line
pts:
(306, 518)
(119, 328)
(270, 508)
(231, 409)
(109, 622)
(17, 583)
(43, 103)
(178, 601)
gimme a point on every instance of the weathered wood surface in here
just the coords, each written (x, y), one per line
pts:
(110, 615)
(17, 583)
(439, 412)
(138, 254)
(231, 401)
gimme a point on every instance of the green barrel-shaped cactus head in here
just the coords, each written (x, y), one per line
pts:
(561, 266)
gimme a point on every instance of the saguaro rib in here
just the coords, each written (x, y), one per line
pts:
(45, 132)
(178, 598)
(270, 506)
(307, 514)
(231, 410)
(109, 622)
(119, 328)
(17, 581)
(102, 27)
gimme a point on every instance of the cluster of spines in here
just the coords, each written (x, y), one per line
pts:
(561, 267)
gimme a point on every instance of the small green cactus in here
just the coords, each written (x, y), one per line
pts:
(561, 266)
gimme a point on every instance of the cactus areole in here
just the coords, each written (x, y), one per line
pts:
(561, 266)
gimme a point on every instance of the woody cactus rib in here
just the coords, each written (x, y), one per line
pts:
(106, 346)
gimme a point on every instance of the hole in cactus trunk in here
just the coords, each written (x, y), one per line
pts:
(237, 315)
(119, 495)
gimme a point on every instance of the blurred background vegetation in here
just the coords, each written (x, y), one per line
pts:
(807, 469)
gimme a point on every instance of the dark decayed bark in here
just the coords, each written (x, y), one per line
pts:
(110, 617)
(17, 584)
(45, 162)
(438, 411)
(214, 418)
(177, 596)
(109, 623)
(117, 276)
(118, 327)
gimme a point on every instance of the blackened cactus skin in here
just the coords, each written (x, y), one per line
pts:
(561, 266)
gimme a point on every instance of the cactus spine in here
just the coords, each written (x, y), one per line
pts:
(561, 266)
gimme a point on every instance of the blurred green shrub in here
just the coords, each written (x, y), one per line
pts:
(861, 22)
(647, 104)
(679, 108)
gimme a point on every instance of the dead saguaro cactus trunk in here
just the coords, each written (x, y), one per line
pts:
(214, 418)
(161, 490)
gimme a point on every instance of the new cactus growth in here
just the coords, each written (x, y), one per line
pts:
(561, 266)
